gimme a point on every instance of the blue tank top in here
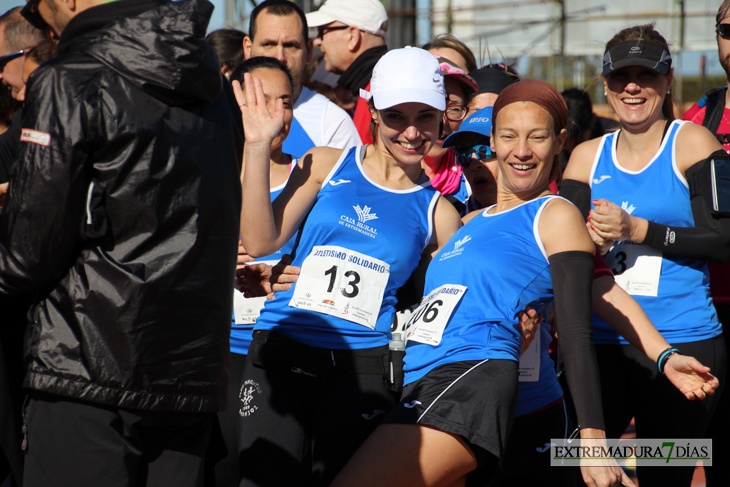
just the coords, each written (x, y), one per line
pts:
(680, 306)
(241, 334)
(501, 261)
(381, 230)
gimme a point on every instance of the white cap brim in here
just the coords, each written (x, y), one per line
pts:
(318, 19)
(391, 98)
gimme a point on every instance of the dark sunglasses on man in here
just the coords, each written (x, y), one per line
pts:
(723, 30)
(323, 29)
(30, 13)
(9, 57)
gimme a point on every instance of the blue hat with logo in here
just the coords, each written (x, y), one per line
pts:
(480, 122)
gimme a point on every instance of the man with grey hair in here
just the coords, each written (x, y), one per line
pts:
(122, 216)
(713, 112)
(351, 34)
(17, 36)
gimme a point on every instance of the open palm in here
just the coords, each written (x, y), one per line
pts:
(259, 125)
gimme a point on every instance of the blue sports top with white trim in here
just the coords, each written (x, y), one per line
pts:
(501, 261)
(674, 292)
(242, 334)
(381, 232)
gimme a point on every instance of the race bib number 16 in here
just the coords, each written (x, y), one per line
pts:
(343, 283)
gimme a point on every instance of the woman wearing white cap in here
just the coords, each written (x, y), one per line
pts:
(316, 381)
(649, 188)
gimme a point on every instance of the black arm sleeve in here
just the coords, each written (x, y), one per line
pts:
(709, 239)
(578, 193)
(572, 274)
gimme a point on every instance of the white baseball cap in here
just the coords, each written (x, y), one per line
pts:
(366, 15)
(408, 75)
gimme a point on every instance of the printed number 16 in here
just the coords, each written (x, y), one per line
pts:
(332, 272)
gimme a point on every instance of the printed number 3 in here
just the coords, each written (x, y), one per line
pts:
(332, 272)
(621, 256)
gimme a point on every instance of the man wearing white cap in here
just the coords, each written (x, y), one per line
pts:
(351, 34)
(278, 29)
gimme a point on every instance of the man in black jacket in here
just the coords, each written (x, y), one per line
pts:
(123, 217)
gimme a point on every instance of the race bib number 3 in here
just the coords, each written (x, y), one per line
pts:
(428, 322)
(343, 283)
(636, 268)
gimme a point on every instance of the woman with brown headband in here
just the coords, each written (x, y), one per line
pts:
(463, 347)
(651, 189)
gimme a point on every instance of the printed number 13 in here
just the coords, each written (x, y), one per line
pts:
(332, 272)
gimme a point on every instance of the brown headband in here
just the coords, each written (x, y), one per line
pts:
(539, 92)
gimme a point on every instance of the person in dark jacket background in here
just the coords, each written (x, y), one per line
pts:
(123, 217)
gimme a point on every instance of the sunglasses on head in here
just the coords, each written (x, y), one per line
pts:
(463, 156)
(723, 30)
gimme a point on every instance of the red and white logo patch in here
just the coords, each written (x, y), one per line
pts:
(36, 137)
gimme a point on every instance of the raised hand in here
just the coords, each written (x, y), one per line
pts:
(691, 377)
(259, 125)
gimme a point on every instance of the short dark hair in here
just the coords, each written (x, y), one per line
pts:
(282, 8)
(580, 111)
(228, 43)
(260, 62)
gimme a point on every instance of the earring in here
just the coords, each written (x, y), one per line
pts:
(669, 92)
(605, 93)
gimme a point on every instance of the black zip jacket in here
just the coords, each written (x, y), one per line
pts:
(123, 211)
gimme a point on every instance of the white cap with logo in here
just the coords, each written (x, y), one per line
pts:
(408, 75)
(366, 15)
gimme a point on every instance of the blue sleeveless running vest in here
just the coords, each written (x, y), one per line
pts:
(354, 214)
(682, 309)
(501, 261)
(241, 334)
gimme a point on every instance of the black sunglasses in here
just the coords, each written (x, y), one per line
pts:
(462, 157)
(322, 30)
(723, 30)
(30, 13)
(9, 57)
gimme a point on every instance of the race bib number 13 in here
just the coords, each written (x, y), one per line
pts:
(428, 322)
(343, 283)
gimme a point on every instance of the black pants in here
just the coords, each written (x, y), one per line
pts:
(527, 460)
(719, 428)
(304, 411)
(77, 444)
(631, 386)
(226, 469)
